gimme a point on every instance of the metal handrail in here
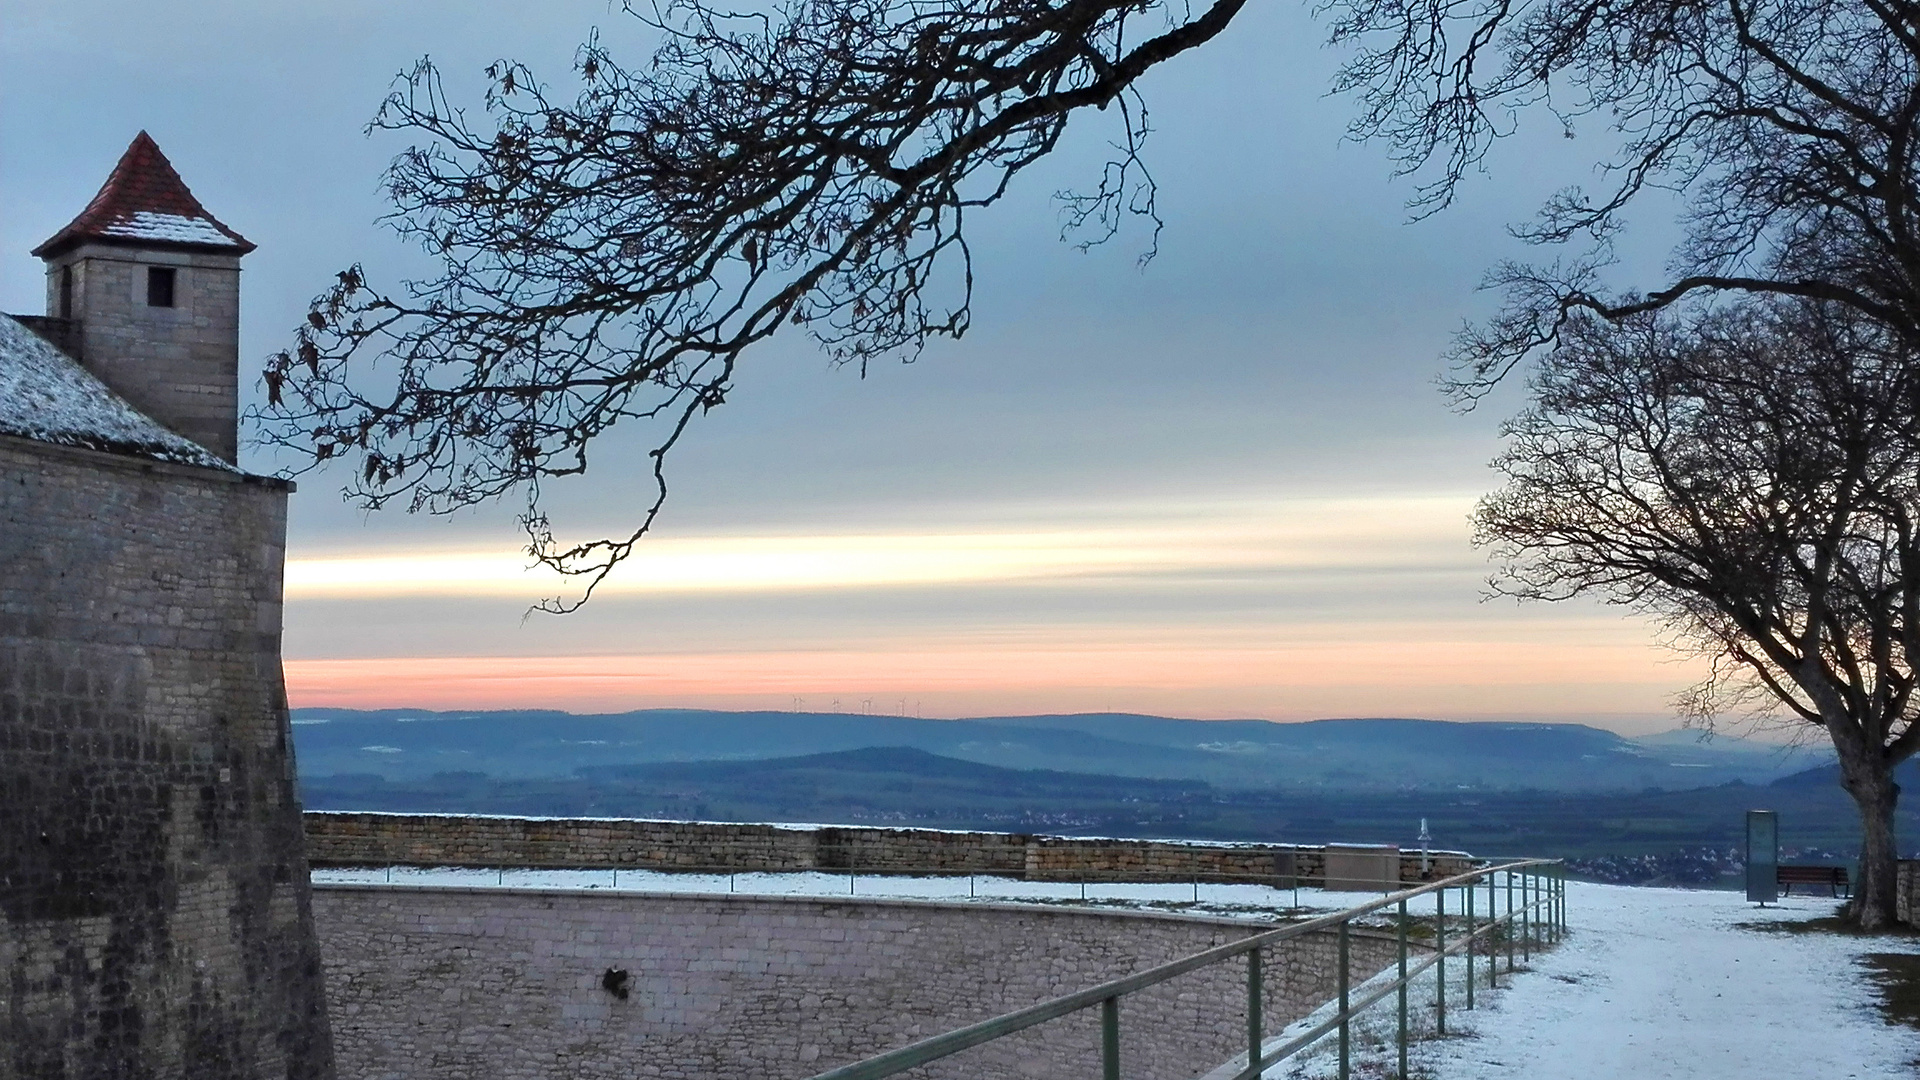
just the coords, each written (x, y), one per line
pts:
(1107, 995)
(1270, 1058)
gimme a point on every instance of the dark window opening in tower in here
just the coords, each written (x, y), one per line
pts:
(66, 291)
(160, 286)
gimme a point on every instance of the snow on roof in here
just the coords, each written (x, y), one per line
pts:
(46, 396)
(147, 225)
(145, 201)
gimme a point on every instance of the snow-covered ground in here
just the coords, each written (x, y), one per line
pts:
(1664, 983)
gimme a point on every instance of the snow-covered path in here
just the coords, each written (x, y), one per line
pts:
(1660, 983)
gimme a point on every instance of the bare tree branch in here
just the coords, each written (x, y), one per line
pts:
(610, 258)
(1787, 127)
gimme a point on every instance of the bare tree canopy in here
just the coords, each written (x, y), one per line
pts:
(1787, 127)
(1750, 476)
(610, 257)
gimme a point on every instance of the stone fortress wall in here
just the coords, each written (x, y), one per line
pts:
(153, 906)
(381, 839)
(445, 983)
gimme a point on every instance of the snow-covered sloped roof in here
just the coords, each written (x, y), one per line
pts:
(145, 202)
(45, 395)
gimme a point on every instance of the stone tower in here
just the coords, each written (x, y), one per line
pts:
(146, 285)
(156, 920)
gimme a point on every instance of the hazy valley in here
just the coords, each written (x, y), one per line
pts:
(1665, 807)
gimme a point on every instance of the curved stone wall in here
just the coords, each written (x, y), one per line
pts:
(431, 983)
(153, 893)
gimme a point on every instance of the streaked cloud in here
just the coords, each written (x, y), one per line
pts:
(1286, 608)
(1300, 536)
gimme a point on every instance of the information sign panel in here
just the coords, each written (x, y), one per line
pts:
(1763, 856)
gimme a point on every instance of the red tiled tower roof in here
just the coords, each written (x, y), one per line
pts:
(144, 202)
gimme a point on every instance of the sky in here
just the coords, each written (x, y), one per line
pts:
(1220, 485)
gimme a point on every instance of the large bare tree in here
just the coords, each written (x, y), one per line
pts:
(1750, 475)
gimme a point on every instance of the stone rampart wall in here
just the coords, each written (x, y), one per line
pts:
(372, 839)
(153, 892)
(438, 984)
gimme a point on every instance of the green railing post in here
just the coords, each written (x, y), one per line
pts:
(1345, 1044)
(1255, 988)
(1440, 957)
(1551, 923)
(1403, 990)
(1513, 923)
(1110, 1039)
(1526, 917)
(1468, 894)
(1493, 935)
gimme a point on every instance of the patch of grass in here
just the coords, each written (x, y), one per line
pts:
(1897, 977)
(1835, 923)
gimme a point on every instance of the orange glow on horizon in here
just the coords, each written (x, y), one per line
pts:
(1278, 608)
(1292, 681)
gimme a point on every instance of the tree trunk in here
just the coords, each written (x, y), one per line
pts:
(1869, 779)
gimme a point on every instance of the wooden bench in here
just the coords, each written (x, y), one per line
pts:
(1833, 877)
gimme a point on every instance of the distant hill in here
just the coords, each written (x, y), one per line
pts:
(1906, 774)
(877, 785)
(1323, 755)
(904, 786)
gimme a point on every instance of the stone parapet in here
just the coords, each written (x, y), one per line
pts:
(382, 839)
